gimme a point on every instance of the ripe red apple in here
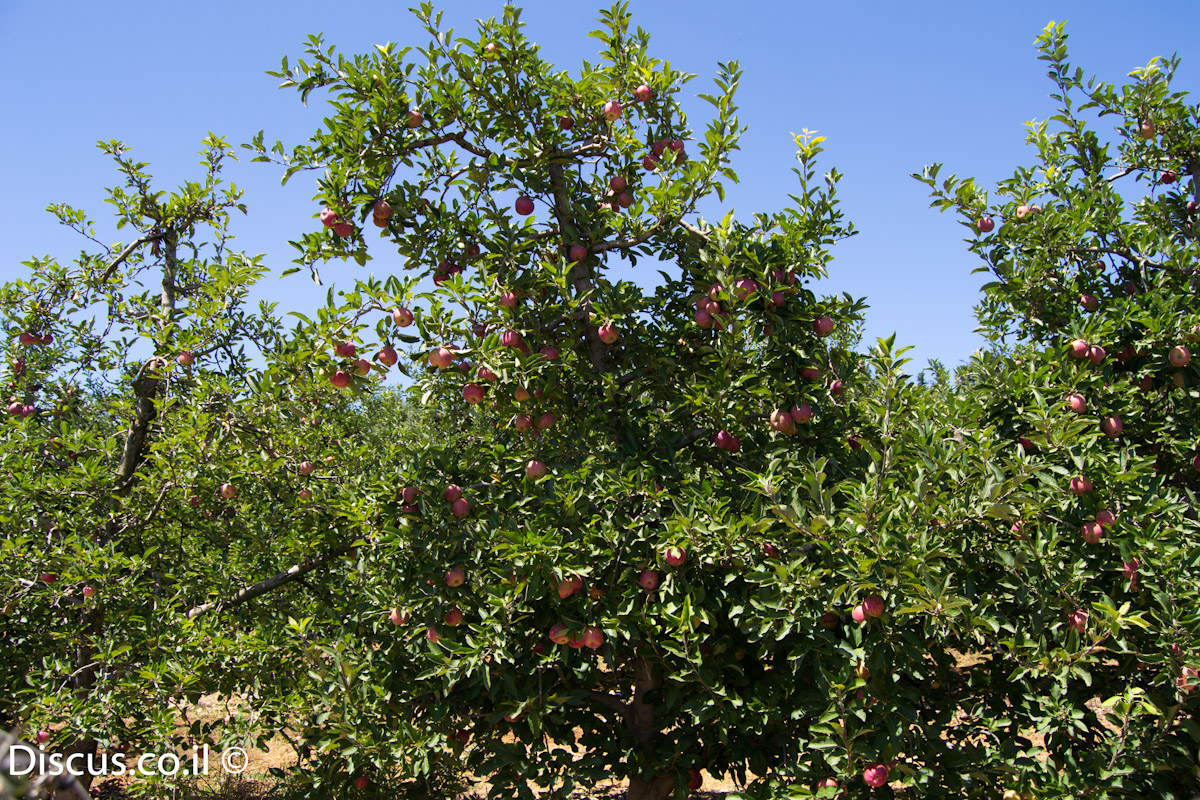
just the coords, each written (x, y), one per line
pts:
(228, 491)
(460, 507)
(648, 580)
(345, 350)
(361, 782)
(410, 494)
(617, 183)
(361, 367)
(89, 591)
(535, 469)
(524, 205)
(823, 326)
(829, 620)
(511, 338)
(432, 635)
(522, 422)
(566, 123)
(343, 229)
(625, 199)
(810, 373)
(402, 317)
(340, 379)
(1111, 426)
(1186, 680)
(414, 118)
(186, 358)
(1081, 485)
(1147, 130)
(649, 162)
(985, 224)
(643, 93)
(1077, 403)
(695, 780)
(16, 408)
(1089, 302)
(42, 737)
(1180, 356)
(1105, 517)
(675, 556)
(1079, 348)
(781, 420)
(559, 634)
(1168, 177)
(454, 617)
(593, 638)
(1130, 568)
(858, 613)
(382, 210)
(578, 252)
(745, 287)
(827, 783)
(1078, 620)
(456, 576)
(612, 110)
(778, 299)
(1097, 354)
(723, 439)
(703, 319)
(398, 617)
(549, 353)
(802, 413)
(485, 374)
(608, 333)
(473, 393)
(387, 356)
(1022, 212)
(1196, 462)
(876, 775)
(452, 493)
(441, 357)
(873, 606)
(1092, 532)
(836, 388)
(305, 494)
(545, 421)
(329, 217)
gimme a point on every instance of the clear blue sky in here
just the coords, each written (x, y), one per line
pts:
(894, 86)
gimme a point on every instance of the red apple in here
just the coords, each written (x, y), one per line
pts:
(329, 217)
(595, 593)
(456, 576)
(827, 783)
(454, 617)
(782, 421)
(625, 199)
(414, 118)
(608, 333)
(398, 617)
(829, 620)
(1130, 568)
(460, 507)
(48, 577)
(675, 556)
(362, 367)
(1079, 348)
(649, 163)
(1078, 620)
(1092, 532)
(1022, 211)
(535, 469)
(723, 439)
(1111, 426)
(1077, 403)
(873, 606)
(1081, 485)
(1168, 177)
(1089, 302)
(42, 737)
(703, 319)
(769, 550)
(432, 635)
(473, 393)
(89, 591)
(566, 123)
(744, 288)
(441, 357)
(340, 379)
(1196, 462)
(648, 580)
(578, 252)
(593, 638)
(524, 205)
(876, 775)
(1097, 354)
(545, 421)
(802, 413)
(513, 339)
(1105, 517)
(228, 491)
(186, 358)
(858, 613)
(345, 350)
(15, 408)
(485, 374)
(612, 110)
(549, 353)
(522, 422)
(643, 93)
(1147, 130)
(343, 229)
(695, 780)
(410, 494)
(617, 183)
(1180, 356)
(823, 326)
(387, 356)
(836, 388)
(985, 224)
(307, 467)
(402, 317)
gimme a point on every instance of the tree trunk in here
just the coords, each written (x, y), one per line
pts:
(660, 787)
(643, 726)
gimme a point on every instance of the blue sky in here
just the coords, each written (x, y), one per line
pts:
(893, 86)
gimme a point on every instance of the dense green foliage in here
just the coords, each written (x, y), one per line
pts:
(616, 529)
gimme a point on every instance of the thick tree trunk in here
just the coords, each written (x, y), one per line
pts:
(660, 787)
(643, 726)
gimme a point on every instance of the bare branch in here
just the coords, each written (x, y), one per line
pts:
(292, 573)
(128, 251)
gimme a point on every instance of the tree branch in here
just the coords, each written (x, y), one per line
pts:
(295, 572)
(127, 252)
